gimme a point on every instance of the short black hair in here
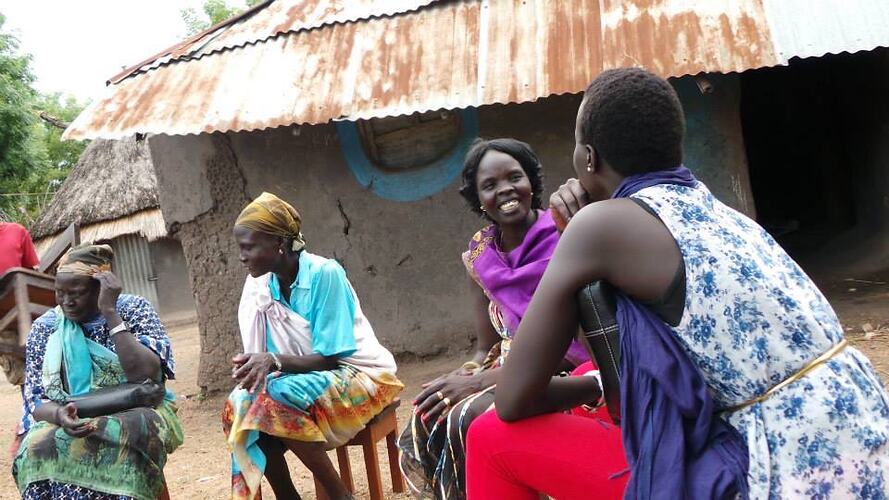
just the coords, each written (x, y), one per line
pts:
(519, 150)
(634, 121)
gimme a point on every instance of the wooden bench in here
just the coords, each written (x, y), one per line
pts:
(382, 426)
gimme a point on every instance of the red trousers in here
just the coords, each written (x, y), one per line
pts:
(564, 456)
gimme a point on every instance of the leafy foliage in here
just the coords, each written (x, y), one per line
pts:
(213, 11)
(62, 154)
(17, 150)
(33, 159)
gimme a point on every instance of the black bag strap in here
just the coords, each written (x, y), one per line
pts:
(601, 337)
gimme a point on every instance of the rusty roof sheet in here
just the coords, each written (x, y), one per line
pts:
(271, 19)
(312, 61)
(289, 17)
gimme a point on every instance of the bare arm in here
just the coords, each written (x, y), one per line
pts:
(485, 335)
(250, 369)
(461, 383)
(307, 363)
(614, 241)
(138, 361)
(46, 412)
(65, 417)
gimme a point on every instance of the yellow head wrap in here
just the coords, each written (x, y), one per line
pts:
(86, 260)
(272, 215)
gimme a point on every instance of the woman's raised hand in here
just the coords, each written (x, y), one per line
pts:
(110, 287)
(566, 201)
(251, 369)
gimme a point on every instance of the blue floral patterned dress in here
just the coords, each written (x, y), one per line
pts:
(144, 323)
(752, 318)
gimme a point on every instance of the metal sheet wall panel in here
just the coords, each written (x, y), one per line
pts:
(132, 264)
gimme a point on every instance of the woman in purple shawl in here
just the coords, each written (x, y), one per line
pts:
(502, 182)
(735, 378)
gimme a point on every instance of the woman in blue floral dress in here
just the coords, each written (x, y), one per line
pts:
(748, 390)
(97, 338)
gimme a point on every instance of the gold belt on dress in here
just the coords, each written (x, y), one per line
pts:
(815, 363)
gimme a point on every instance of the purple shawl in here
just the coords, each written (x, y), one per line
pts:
(510, 279)
(676, 446)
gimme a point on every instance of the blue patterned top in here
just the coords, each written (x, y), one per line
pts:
(752, 318)
(136, 311)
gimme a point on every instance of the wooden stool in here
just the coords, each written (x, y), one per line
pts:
(382, 425)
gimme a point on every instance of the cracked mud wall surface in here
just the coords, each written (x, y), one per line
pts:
(403, 258)
(201, 194)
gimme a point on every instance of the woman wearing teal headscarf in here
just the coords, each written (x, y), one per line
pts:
(97, 338)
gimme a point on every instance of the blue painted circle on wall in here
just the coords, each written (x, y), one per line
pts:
(415, 183)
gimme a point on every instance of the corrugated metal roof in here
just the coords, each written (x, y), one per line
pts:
(680, 37)
(311, 61)
(289, 17)
(268, 21)
(807, 28)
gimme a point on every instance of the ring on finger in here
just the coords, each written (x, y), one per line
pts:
(447, 402)
(441, 396)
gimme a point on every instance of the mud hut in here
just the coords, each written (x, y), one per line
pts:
(359, 113)
(112, 195)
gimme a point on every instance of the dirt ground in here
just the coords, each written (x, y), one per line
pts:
(200, 468)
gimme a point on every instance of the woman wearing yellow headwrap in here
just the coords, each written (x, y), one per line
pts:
(85, 433)
(312, 373)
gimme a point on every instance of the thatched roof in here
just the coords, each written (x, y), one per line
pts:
(112, 179)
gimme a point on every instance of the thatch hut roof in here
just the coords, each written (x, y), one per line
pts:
(113, 180)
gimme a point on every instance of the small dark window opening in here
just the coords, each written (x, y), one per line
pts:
(403, 142)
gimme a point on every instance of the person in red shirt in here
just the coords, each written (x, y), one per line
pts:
(16, 248)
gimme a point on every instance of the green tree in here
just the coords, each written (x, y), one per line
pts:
(57, 112)
(20, 152)
(33, 159)
(213, 11)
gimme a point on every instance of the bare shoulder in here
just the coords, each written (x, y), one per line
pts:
(611, 222)
(619, 241)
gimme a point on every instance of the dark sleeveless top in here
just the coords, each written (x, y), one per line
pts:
(670, 306)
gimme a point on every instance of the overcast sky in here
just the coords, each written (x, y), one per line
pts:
(78, 44)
